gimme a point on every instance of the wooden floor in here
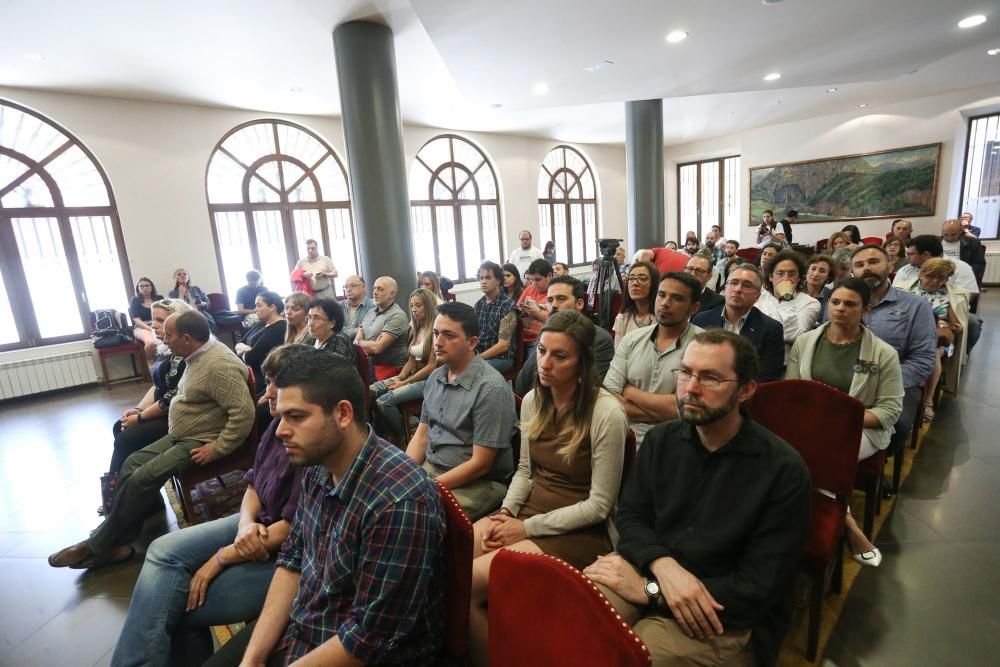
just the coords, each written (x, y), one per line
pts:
(933, 601)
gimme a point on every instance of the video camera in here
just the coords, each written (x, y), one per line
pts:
(608, 246)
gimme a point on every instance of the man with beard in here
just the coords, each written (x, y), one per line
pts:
(640, 372)
(906, 322)
(713, 520)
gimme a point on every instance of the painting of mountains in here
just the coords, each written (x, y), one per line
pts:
(889, 184)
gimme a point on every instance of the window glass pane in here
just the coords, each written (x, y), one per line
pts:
(10, 168)
(491, 234)
(423, 239)
(418, 181)
(436, 152)
(297, 143)
(332, 180)
(343, 254)
(271, 249)
(468, 190)
(467, 154)
(234, 247)
(260, 191)
(545, 229)
(576, 232)
(442, 185)
(28, 134)
(590, 227)
(981, 195)
(8, 329)
(225, 180)
(304, 191)
(447, 252)
(587, 181)
(268, 172)
(307, 226)
(543, 183)
(574, 162)
(46, 270)
(95, 245)
(32, 192)
(688, 199)
(731, 192)
(470, 242)
(78, 179)
(486, 182)
(559, 230)
(709, 196)
(251, 143)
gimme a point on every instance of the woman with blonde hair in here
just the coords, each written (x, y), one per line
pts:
(389, 394)
(837, 241)
(566, 485)
(431, 282)
(296, 319)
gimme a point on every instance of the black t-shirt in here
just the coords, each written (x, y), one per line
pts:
(246, 295)
(136, 309)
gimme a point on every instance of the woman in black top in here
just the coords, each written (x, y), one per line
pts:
(326, 324)
(138, 310)
(259, 341)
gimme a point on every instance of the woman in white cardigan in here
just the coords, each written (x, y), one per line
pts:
(846, 355)
(566, 485)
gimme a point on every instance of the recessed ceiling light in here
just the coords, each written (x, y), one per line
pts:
(831, 90)
(540, 88)
(778, 102)
(972, 21)
(37, 57)
(496, 105)
(296, 89)
(992, 52)
(731, 113)
(773, 76)
(677, 36)
(770, 2)
(862, 106)
(596, 67)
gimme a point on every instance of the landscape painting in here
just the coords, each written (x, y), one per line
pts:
(899, 183)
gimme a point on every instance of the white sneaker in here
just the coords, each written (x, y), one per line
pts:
(871, 558)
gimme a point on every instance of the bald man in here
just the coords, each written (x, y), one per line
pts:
(957, 244)
(383, 331)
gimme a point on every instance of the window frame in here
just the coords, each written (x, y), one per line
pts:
(550, 203)
(971, 120)
(720, 200)
(15, 282)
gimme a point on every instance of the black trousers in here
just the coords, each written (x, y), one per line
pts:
(131, 440)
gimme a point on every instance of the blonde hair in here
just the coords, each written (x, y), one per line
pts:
(835, 236)
(938, 268)
(301, 300)
(171, 305)
(430, 301)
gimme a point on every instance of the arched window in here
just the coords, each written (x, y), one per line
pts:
(567, 206)
(456, 208)
(61, 248)
(272, 185)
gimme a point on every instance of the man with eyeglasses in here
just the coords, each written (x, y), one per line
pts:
(356, 305)
(739, 315)
(700, 268)
(640, 372)
(523, 255)
(713, 520)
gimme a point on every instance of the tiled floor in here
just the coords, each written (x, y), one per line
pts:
(933, 601)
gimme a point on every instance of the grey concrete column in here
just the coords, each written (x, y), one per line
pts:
(373, 130)
(644, 173)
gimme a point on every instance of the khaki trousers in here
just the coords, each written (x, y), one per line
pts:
(478, 498)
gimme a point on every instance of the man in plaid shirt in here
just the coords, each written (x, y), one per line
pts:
(359, 580)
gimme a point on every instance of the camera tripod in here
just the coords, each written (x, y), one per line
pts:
(601, 291)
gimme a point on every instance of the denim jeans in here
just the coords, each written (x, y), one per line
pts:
(388, 420)
(500, 365)
(157, 625)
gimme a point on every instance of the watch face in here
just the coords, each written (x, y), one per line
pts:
(652, 589)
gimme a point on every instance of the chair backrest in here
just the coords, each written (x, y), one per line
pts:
(458, 578)
(544, 612)
(749, 255)
(821, 245)
(217, 302)
(872, 240)
(823, 424)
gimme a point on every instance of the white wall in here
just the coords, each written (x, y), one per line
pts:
(941, 118)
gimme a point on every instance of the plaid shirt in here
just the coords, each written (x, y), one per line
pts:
(370, 554)
(490, 315)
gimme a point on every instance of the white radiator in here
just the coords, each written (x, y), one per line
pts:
(992, 275)
(33, 376)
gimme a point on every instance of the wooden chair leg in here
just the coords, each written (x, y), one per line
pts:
(897, 471)
(816, 589)
(104, 371)
(871, 502)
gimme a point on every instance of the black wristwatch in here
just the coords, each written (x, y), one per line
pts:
(788, 297)
(652, 589)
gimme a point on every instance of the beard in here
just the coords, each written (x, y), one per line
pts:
(874, 280)
(705, 414)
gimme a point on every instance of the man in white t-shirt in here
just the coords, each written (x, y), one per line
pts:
(524, 254)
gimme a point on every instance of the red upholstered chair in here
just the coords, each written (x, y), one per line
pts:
(872, 240)
(750, 255)
(821, 245)
(544, 612)
(824, 425)
(458, 580)
(241, 459)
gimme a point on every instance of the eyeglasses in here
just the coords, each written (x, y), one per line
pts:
(640, 278)
(353, 285)
(684, 376)
(742, 284)
(694, 269)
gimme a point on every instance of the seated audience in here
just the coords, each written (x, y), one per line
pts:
(715, 250)
(740, 315)
(620, 257)
(218, 572)
(326, 326)
(966, 247)
(842, 261)
(640, 371)
(533, 303)
(700, 268)
(246, 296)
(846, 355)
(767, 253)
(139, 311)
(821, 271)
(638, 301)
(467, 418)
(297, 319)
(260, 340)
(967, 227)
(853, 234)
(670, 245)
(566, 485)
(512, 284)
(359, 580)
(382, 334)
(409, 384)
(549, 252)
(950, 304)
(210, 416)
(712, 521)
(568, 293)
(904, 321)
(497, 319)
(559, 269)
(317, 272)
(897, 254)
(730, 260)
(192, 295)
(901, 229)
(431, 282)
(356, 305)
(837, 241)
(783, 297)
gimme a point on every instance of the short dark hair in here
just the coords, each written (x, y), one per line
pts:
(745, 360)
(325, 380)
(687, 280)
(462, 313)
(332, 310)
(855, 285)
(786, 255)
(192, 323)
(539, 267)
(734, 242)
(871, 246)
(791, 213)
(926, 243)
(253, 274)
(768, 210)
(562, 264)
(273, 299)
(279, 357)
(579, 291)
(312, 241)
(493, 268)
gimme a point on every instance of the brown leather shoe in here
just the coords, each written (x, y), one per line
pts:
(116, 555)
(71, 555)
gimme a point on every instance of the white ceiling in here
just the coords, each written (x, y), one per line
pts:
(456, 60)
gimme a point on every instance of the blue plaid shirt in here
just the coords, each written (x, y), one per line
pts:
(370, 554)
(490, 315)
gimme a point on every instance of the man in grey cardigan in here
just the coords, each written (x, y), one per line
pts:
(210, 416)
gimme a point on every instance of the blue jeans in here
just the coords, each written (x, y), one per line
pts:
(388, 420)
(500, 365)
(157, 625)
